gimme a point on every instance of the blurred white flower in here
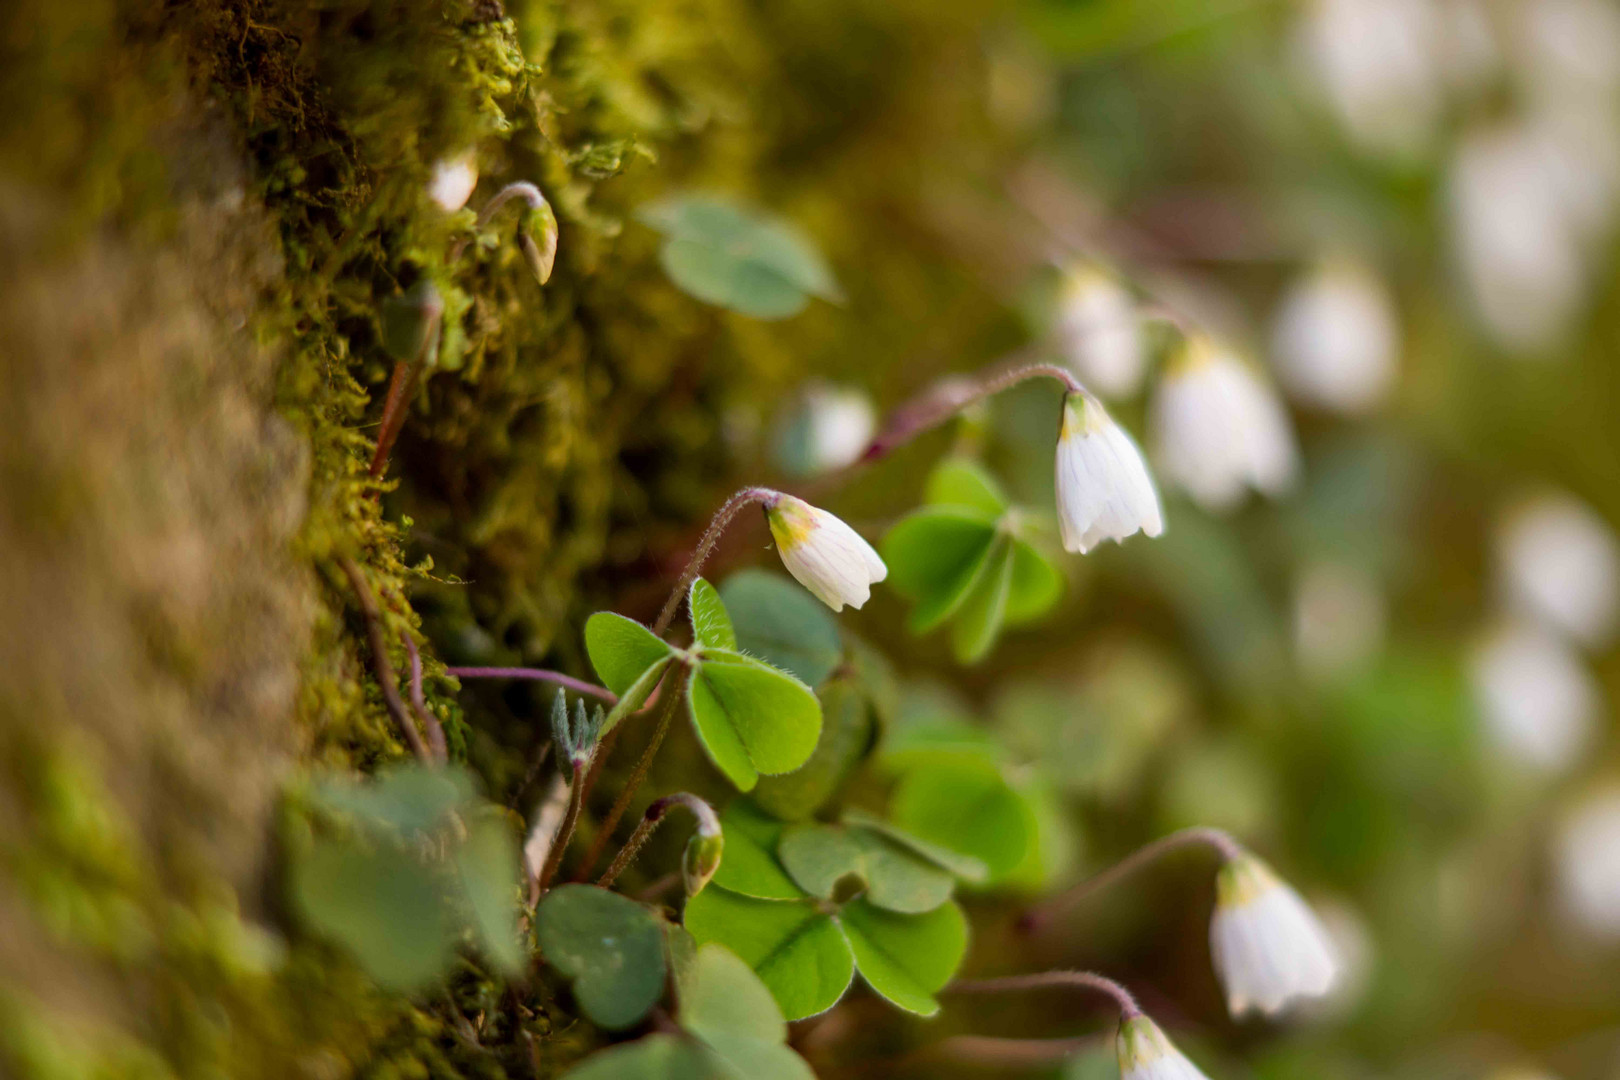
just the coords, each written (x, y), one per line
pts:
(453, 181)
(1267, 945)
(1353, 947)
(1336, 341)
(828, 429)
(1523, 201)
(1339, 619)
(1146, 1054)
(1379, 63)
(1099, 332)
(1538, 702)
(1104, 491)
(1560, 563)
(826, 556)
(1218, 427)
(1569, 50)
(1587, 863)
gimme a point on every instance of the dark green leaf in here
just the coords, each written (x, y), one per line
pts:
(487, 861)
(411, 797)
(659, 1056)
(906, 958)
(383, 904)
(609, 945)
(960, 481)
(780, 623)
(965, 867)
(846, 735)
(726, 1005)
(1036, 585)
(795, 949)
(750, 866)
(967, 807)
(896, 878)
(935, 555)
(751, 718)
(621, 649)
(711, 626)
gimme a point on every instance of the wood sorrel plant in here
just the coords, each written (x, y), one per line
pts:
(787, 894)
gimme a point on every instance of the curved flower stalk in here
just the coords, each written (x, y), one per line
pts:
(1218, 428)
(702, 856)
(1268, 946)
(824, 554)
(1104, 491)
(1146, 1053)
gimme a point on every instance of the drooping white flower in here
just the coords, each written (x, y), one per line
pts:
(828, 428)
(1145, 1053)
(1218, 428)
(1380, 65)
(1339, 619)
(1569, 50)
(453, 181)
(1336, 340)
(1587, 863)
(1538, 703)
(1104, 491)
(1268, 946)
(1560, 563)
(1099, 332)
(825, 555)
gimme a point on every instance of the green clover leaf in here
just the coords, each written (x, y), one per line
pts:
(609, 946)
(750, 717)
(782, 624)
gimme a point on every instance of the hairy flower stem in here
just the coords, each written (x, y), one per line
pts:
(1048, 980)
(722, 518)
(567, 682)
(604, 833)
(951, 395)
(565, 831)
(383, 669)
(1039, 917)
(649, 824)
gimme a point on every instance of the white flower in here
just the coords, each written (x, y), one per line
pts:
(1587, 862)
(830, 426)
(1146, 1054)
(826, 556)
(1104, 491)
(1268, 946)
(1559, 562)
(1099, 333)
(1382, 67)
(453, 181)
(1336, 340)
(1538, 703)
(1218, 428)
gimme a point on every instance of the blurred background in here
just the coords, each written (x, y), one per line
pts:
(1391, 671)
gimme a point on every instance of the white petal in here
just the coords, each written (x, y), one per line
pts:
(1268, 947)
(1104, 491)
(824, 554)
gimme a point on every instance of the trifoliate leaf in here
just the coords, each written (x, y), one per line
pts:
(750, 866)
(711, 626)
(795, 949)
(783, 625)
(621, 649)
(750, 717)
(935, 555)
(739, 258)
(967, 807)
(847, 730)
(611, 947)
(818, 857)
(963, 866)
(906, 958)
(981, 614)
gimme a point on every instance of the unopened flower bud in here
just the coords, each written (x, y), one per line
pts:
(1146, 1054)
(826, 556)
(701, 860)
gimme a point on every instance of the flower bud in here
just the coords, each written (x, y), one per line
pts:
(1146, 1054)
(701, 860)
(1104, 491)
(537, 236)
(825, 555)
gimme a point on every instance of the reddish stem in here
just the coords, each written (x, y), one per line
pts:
(578, 686)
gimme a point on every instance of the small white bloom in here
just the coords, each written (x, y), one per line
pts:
(1336, 340)
(1587, 864)
(828, 428)
(1570, 50)
(826, 556)
(1339, 619)
(1381, 66)
(1268, 946)
(1146, 1054)
(1104, 491)
(1218, 428)
(453, 181)
(1560, 563)
(1538, 703)
(1099, 332)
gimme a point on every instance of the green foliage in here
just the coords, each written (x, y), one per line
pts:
(818, 857)
(611, 947)
(965, 557)
(967, 807)
(782, 624)
(750, 866)
(622, 650)
(796, 949)
(750, 717)
(739, 258)
(382, 888)
(711, 624)
(906, 958)
(848, 730)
